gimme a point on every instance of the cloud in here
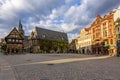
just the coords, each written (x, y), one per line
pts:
(72, 36)
(15, 9)
(66, 15)
(57, 13)
(31, 12)
(68, 27)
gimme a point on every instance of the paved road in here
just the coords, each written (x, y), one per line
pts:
(62, 67)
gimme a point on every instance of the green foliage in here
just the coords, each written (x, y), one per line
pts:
(48, 45)
(3, 47)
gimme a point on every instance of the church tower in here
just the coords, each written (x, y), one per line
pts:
(20, 29)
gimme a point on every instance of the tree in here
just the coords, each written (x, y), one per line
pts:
(3, 47)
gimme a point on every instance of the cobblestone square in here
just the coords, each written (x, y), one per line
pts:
(62, 67)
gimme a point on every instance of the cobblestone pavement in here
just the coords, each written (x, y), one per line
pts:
(76, 67)
(6, 71)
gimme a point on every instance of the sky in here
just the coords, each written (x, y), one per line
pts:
(68, 16)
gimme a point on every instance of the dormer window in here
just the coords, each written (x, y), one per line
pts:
(43, 36)
(62, 38)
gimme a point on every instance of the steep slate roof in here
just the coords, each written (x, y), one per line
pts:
(51, 35)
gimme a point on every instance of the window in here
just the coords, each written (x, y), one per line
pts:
(105, 43)
(104, 25)
(93, 30)
(9, 39)
(105, 33)
(20, 40)
(13, 40)
(63, 38)
(16, 40)
(97, 28)
(98, 35)
(43, 36)
(119, 36)
(15, 36)
(93, 36)
(118, 41)
(111, 41)
(110, 23)
(110, 31)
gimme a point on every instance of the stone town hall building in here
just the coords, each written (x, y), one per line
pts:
(48, 41)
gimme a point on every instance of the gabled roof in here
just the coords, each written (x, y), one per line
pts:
(13, 32)
(50, 35)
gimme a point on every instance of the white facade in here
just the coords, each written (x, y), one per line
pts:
(116, 14)
(84, 42)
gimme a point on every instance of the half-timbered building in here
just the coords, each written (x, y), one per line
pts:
(14, 40)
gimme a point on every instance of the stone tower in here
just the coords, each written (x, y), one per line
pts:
(20, 29)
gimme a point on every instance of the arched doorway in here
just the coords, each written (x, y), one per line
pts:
(83, 51)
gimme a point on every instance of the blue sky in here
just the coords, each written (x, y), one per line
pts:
(60, 15)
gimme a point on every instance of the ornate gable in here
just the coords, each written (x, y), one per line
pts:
(97, 20)
(14, 34)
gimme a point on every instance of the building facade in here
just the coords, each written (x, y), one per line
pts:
(117, 29)
(83, 42)
(104, 34)
(99, 36)
(48, 41)
(72, 46)
(14, 40)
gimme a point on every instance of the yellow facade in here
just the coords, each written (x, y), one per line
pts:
(102, 35)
